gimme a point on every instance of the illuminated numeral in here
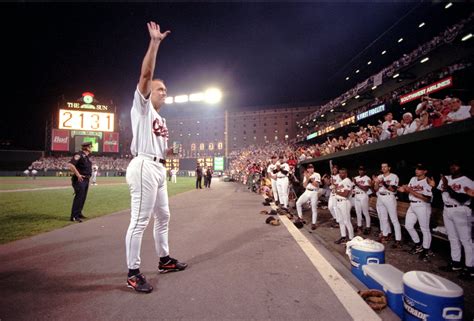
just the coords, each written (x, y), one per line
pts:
(108, 121)
(67, 120)
(82, 119)
(96, 122)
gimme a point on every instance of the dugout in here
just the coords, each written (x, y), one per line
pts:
(435, 147)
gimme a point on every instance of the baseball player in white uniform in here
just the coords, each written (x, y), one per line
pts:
(174, 172)
(343, 206)
(420, 195)
(334, 181)
(271, 170)
(457, 218)
(146, 173)
(311, 182)
(283, 169)
(362, 184)
(95, 170)
(386, 186)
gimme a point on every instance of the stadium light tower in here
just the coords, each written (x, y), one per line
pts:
(212, 96)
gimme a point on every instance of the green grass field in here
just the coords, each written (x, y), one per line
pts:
(27, 213)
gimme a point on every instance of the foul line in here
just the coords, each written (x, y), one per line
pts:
(352, 302)
(48, 188)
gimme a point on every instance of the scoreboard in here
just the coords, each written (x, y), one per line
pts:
(85, 120)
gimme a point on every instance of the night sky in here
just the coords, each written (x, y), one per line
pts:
(259, 54)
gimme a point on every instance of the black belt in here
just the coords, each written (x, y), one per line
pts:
(449, 206)
(385, 194)
(418, 202)
(339, 200)
(153, 158)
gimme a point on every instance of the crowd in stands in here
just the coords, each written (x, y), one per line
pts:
(429, 113)
(446, 36)
(308, 126)
(104, 163)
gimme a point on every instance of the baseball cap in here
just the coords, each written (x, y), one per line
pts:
(310, 166)
(86, 144)
(362, 168)
(421, 167)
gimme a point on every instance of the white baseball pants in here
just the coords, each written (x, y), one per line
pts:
(361, 204)
(311, 196)
(147, 182)
(420, 212)
(332, 207)
(282, 187)
(274, 189)
(387, 206)
(173, 178)
(457, 221)
(343, 210)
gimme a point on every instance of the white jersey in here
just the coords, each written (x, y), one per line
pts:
(316, 177)
(458, 185)
(173, 172)
(420, 186)
(284, 167)
(386, 124)
(344, 185)
(391, 179)
(364, 181)
(464, 112)
(335, 180)
(150, 135)
(271, 168)
(408, 129)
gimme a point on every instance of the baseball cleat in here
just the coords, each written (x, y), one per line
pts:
(424, 256)
(171, 266)
(396, 245)
(451, 267)
(467, 274)
(342, 240)
(314, 226)
(416, 249)
(367, 231)
(138, 283)
(76, 219)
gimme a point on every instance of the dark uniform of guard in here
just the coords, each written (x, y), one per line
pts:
(198, 176)
(84, 166)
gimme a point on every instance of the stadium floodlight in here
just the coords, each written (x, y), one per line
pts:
(384, 52)
(343, 103)
(400, 40)
(395, 76)
(424, 60)
(322, 116)
(467, 37)
(212, 96)
(369, 62)
(421, 25)
(448, 5)
(196, 97)
(332, 110)
(169, 100)
(181, 99)
(357, 71)
(357, 97)
(347, 78)
(374, 87)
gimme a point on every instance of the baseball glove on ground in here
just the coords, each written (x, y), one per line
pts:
(263, 212)
(299, 224)
(375, 299)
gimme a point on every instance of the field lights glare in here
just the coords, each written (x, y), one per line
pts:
(181, 99)
(212, 96)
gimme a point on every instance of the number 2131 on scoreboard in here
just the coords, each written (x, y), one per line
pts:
(86, 120)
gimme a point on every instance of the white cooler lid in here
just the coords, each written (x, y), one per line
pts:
(369, 246)
(388, 276)
(432, 284)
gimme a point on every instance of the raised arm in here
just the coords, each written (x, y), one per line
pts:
(148, 65)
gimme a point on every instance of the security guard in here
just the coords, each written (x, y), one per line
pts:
(81, 166)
